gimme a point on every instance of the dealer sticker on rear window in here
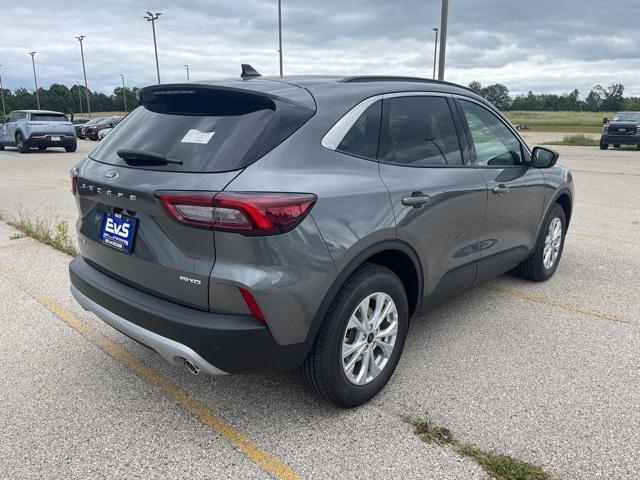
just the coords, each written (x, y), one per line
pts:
(196, 136)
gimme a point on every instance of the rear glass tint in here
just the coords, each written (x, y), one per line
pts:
(47, 117)
(208, 130)
(362, 137)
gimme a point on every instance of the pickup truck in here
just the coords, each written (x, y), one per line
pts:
(623, 129)
(27, 129)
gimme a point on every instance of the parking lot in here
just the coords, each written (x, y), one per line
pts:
(549, 373)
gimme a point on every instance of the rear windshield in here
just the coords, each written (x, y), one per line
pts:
(207, 130)
(48, 117)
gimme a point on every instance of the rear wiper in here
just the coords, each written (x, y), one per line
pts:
(137, 157)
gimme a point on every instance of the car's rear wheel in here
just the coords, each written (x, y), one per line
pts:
(1, 147)
(21, 144)
(71, 148)
(361, 339)
(616, 146)
(543, 263)
(42, 148)
(604, 146)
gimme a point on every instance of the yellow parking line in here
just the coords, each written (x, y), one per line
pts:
(553, 303)
(266, 461)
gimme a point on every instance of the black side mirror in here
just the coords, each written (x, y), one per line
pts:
(542, 157)
(605, 120)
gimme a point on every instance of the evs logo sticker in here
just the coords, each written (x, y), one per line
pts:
(112, 227)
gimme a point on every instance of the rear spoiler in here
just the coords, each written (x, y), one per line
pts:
(260, 90)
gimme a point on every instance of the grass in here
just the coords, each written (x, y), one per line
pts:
(48, 231)
(98, 114)
(498, 466)
(570, 122)
(578, 140)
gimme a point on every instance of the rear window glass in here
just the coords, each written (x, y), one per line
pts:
(42, 117)
(207, 130)
(362, 137)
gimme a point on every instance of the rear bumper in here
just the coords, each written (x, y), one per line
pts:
(45, 141)
(216, 343)
(620, 139)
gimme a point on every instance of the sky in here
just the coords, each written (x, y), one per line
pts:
(540, 45)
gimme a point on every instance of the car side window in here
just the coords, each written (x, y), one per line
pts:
(363, 136)
(493, 142)
(418, 131)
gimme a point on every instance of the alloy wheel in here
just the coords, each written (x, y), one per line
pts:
(552, 243)
(369, 338)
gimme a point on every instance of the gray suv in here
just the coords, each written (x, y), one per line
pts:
(261, 224)
(41, 129)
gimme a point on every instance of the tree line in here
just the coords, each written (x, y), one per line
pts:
(599, 99)
(61, 98)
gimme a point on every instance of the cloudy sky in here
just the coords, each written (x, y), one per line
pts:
(541, 45)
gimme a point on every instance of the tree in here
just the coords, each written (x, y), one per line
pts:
(497, 94)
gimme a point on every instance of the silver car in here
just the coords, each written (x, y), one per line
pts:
(41, 129)
(258, 224)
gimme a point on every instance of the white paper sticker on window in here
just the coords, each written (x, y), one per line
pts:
(196, 136)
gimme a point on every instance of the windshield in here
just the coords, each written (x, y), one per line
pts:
(210, 131)
(48, 117)
(627, 117)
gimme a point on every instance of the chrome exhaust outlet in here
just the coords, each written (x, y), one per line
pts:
(191, 367)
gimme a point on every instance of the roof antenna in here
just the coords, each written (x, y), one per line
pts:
(249, 72)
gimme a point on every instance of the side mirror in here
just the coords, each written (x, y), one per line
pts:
(544, 157)
(605, 120)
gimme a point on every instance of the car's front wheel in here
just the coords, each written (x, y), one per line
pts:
(361, 339)
(543, 263)
(604, 146)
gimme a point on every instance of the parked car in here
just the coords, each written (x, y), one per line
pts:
(26, 129)
(79, 121)
(104, 132)
(92, 131)
(623, 129)
(253, 225)
(81, 130)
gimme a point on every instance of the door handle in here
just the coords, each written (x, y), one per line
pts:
(416, 200)
(500, 189)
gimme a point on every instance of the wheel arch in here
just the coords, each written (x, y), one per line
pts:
(397, 256)
(565, 200)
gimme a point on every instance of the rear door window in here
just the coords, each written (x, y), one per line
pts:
(419, 132)
(208, 130)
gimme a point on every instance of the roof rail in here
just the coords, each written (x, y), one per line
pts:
(392, 78)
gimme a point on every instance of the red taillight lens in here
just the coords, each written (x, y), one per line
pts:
(250, 213)
(73, 174)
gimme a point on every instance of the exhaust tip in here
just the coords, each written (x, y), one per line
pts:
(191, 367)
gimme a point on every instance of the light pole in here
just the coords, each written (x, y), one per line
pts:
(79, 97)
(435, 52)
(124, 94)
(187, 72)
(84, 71)
(35, 78)
(150, 17)
(4, 111)
(443, 38)
(280, 33)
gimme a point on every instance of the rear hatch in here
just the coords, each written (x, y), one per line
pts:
(40, 123)
(183, 139)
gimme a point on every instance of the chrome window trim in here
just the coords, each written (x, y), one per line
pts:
(336, 134)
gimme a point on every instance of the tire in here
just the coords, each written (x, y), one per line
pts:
(42, 148)
(324, 369)
(71, 148)
(616, 146)
(534, 268)
(604, 146)
(637, 147)
(21, 144)
(1, 147)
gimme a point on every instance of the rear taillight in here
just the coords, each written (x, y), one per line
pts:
(73, 174)
(249, 213)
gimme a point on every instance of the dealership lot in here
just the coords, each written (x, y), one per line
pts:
(549, 373)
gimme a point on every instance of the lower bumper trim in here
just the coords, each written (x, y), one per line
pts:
(172, 351)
